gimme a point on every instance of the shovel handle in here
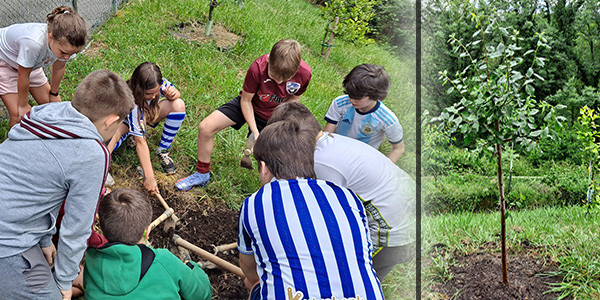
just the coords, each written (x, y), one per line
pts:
(209, 256)
(225, 247)
(162, 200)
(169, 212)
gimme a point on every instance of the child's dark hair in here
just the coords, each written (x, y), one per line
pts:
(367, 80)
(299, 113)
(67, 26)
(287, 150)
(124, 215)
(146, 77)
(285, 58)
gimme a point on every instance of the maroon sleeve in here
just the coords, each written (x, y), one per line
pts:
(252, 80)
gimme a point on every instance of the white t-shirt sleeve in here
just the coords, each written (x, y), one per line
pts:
(394, 133)
(29, 51)
(334, 114)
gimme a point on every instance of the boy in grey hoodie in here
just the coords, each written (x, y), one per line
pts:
(55, 153)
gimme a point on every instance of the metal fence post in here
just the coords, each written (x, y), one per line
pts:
(114, 2)
(75, 6)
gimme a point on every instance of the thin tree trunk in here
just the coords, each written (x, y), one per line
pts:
(207, 29)
(331, 37)
(324, 43)
(502, 211)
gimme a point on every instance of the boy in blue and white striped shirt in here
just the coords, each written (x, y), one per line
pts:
(301, 238)
(361, 115)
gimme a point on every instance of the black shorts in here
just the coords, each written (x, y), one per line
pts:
(233, 110)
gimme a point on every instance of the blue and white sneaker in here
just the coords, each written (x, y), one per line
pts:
(196, 179)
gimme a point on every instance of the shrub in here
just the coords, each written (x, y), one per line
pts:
(564, 184)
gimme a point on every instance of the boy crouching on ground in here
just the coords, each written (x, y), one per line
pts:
(127, 269)
(55, 153)
(387, 192)
(302, 238)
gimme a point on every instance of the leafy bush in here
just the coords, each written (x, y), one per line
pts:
(393, 24)
(460, 192)
(563, 184)
(354, 17)
(565, 147)
(441, 157)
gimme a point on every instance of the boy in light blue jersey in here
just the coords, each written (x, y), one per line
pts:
(302, 238)
(361, 115)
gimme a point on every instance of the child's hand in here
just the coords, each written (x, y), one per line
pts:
(171, 92)
(49, 253)
(55, 98)
(151, 185)
(23, 109)
(66, 295)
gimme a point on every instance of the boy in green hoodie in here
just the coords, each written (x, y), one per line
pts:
(125, 268)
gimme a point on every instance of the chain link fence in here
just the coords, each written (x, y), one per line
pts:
(94, 12)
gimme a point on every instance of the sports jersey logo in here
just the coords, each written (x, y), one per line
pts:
(292, 87)
(368, 129)
(264, 97)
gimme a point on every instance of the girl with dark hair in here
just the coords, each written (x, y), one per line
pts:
(156, 99)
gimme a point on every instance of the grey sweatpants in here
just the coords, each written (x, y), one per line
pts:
(388, 257)
(27, 276)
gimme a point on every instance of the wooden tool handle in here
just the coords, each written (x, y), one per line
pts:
(226, 247)
(169, 212)
(162, 201)
(177, 240)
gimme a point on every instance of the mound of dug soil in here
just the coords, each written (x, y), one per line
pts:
(206, 226)
(479, 276)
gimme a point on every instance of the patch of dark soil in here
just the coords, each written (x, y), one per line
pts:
(479, 276)
(205, 225)
(195, 31)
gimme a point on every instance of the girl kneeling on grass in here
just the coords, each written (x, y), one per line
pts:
(26, 48)
(156, 99)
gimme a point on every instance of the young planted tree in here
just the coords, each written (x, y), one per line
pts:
(348, 19)
(497, 104)
(211, 7)
(589, 134)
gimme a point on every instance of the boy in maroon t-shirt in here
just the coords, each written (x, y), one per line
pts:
(272, 79)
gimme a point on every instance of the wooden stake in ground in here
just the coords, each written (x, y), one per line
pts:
(329, 43)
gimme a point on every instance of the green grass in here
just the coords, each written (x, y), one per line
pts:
(207, 77)
(568, 235)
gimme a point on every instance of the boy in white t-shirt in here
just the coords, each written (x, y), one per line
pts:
(387, 192)
(361, 115)
(26, 48)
